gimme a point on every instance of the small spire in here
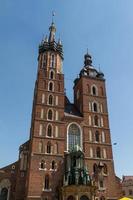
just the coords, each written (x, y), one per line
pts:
(46, 38)
(52, 30)
(59, 41)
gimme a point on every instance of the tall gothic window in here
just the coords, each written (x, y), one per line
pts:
(105, 169)
(50, 114)
(74, 136)
(52, 61)
(50, 100)
(48, 147)
(51, 86)
(98, 152)
(94, 90)
(49, 130)
(53, 165)
(51, 75)
(46, 182)
(95, 107)
(97, 136)
(96, 120)
(42, 164)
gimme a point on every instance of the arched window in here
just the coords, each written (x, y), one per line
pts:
(50, 100)
(95, 107)
(98, 152)
(50, 114)
(42, 164)
(53, 164)
(84, 198)
(74, 136)
(48, 147)
(4, 193)
(50, 86)
(94, 90)
(96, 120)
(46, 186)
(52, 61)
(51, 75)
(105, 169)
(49, 130)
(97, 136)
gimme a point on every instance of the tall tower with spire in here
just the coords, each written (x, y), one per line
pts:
(47, 134)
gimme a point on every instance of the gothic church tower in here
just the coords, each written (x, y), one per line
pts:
(47, 141)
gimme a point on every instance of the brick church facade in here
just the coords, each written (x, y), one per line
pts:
(69, 154)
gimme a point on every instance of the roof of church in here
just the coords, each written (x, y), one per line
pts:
(71, 110)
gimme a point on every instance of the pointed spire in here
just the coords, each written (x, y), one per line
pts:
(46, 38)
(59, 41)
(52, 30)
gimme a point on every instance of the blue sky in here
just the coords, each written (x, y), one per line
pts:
(105, 27)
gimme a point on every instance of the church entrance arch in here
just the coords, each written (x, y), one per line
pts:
(71, 198)
(4, 194)
(84, 197)
(5, 189)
